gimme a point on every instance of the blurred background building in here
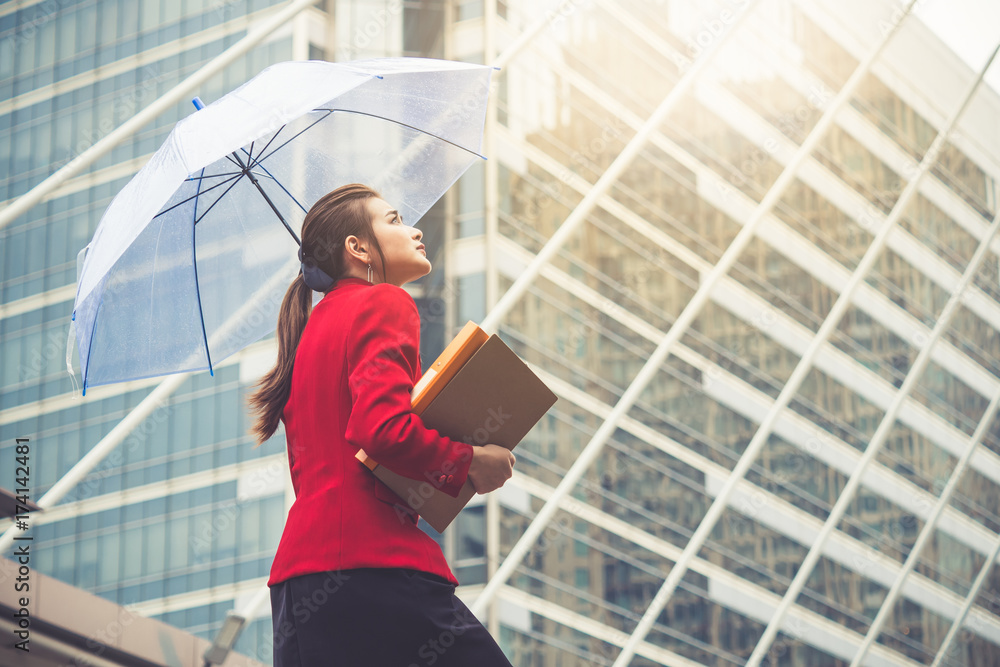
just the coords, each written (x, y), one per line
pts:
(181, 522)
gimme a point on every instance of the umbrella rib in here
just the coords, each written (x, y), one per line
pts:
(271, 176)
(264, 149)
(415, 129)
(261, 156)
(252, 163)
(227, 173)
(197, 192)
(212, 205)
(195, 196)
(256, 184)
(197, 285)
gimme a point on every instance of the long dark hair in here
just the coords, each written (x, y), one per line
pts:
(334, 217)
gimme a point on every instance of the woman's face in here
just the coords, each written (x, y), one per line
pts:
(405, 256)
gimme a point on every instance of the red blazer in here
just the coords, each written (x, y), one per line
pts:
(354, 370)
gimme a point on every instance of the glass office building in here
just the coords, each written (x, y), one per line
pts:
(181, 522)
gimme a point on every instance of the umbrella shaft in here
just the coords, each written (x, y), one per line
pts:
(253, 179)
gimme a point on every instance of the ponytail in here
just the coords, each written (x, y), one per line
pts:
(334, 217)
(274, 388)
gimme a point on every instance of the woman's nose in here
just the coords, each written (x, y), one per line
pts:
(419, 234)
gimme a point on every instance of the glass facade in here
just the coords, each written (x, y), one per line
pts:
(70, 73)
(569, 101)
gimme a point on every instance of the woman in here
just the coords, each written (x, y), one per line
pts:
(354, 580)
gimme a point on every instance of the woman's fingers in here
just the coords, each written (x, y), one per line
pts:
(492, 465)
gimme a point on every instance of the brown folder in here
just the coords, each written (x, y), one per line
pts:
(491, 398)
(435, 378)
(444, 368)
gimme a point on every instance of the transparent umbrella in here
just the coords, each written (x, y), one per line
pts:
(192, 257)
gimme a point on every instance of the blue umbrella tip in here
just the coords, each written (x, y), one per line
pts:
(198, 104)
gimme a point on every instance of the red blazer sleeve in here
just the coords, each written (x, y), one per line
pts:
(382, 366)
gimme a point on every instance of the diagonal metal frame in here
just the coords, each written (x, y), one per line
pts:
(682, 156)
(661, 241)
(929, 527)
(712, 181)
(645, 375)
(694, 306)
(970, 600)
(658, 545)
(637, 123)
(680, 252)
(959, 621)
(760, 438)
(912, 378)
(545, 255)
(638, 536)
(565, 507)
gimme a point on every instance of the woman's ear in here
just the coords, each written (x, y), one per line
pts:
(356, 248)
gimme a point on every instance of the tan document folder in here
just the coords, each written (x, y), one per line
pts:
(444, 368)
(493, 397)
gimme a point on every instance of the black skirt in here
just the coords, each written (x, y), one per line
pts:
(377, 617)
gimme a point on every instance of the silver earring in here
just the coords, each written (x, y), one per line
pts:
(370, 273)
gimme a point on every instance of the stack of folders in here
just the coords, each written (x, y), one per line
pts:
(480, 392)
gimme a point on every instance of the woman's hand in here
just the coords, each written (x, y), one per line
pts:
(491, 466)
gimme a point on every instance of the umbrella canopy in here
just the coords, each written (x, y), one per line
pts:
(192, 258)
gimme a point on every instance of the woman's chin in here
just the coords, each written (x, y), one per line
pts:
(418, 272)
